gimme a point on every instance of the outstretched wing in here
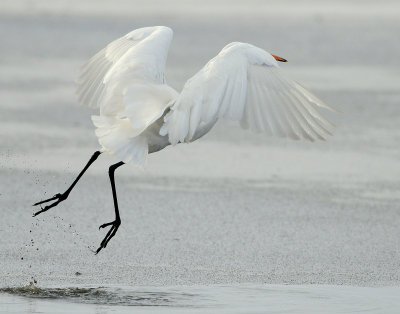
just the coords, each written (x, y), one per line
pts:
(244, 83)
(137, 58)
(126, 80)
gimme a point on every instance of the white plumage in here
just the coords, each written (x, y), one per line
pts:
(141, 114)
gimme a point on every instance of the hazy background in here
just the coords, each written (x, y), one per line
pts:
(232, 207)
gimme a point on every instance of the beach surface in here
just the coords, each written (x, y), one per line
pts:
(232, 208)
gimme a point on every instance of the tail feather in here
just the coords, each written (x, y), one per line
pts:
(115, 136)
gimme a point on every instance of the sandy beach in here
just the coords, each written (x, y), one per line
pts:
(233, 207)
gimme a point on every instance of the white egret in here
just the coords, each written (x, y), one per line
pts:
(140, 114)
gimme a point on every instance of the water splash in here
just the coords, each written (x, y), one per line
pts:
(104, 295)
(296, 299)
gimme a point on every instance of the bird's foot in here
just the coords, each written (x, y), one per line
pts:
(110, 234)
(59, 197)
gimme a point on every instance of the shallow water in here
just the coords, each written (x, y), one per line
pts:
(243, 298)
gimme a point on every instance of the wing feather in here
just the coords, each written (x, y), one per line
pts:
(272, 114)
(137, 57)
(281, 107)
(126, 80)
(244, 83)
(294, 107)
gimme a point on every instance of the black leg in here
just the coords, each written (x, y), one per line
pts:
(117, 222)
(59, 197)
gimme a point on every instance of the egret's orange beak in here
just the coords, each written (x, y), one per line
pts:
(279, 58)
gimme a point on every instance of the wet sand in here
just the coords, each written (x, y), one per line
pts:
(234, 207)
